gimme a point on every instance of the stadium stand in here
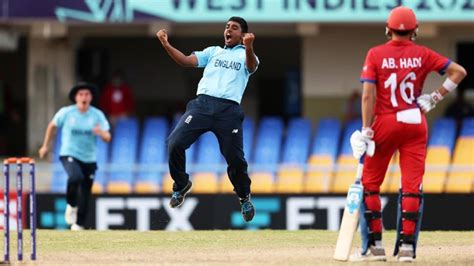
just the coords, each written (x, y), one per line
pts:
(102, 174)
(438, 158)
(167, 186)
(123, 157)
(268, 144)
(295, 154)
(461, 177)
(225, 186)
(281, 161)
(209, 162)
(152, 155)
(323, 156)
(205, 182)
(347, 165)
(209, 156)
(266, 155)
(248, 128)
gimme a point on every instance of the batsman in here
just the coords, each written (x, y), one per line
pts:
(393, 118)
(216, 108)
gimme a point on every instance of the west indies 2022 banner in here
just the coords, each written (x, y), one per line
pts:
(220, 10)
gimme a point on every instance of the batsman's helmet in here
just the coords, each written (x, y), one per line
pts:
(402, 19)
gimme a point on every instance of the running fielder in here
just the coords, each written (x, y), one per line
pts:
(80, 126)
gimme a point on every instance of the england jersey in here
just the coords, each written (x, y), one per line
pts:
(225, 72)
(78, 139)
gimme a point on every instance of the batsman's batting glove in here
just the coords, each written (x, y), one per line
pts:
(361, 142)
(427, 102)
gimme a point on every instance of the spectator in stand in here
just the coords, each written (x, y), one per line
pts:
(117, 99)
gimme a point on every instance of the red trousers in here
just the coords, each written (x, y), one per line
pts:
(410, 140)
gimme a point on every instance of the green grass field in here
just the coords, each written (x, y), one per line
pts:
(266, 247)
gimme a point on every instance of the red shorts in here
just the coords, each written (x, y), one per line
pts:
(409, 139)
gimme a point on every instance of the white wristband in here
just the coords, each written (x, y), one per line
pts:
(449, 85)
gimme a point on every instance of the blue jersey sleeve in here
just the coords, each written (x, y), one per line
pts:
(204, 56)
(60, 116)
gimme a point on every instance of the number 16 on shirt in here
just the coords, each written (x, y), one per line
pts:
(350, 217)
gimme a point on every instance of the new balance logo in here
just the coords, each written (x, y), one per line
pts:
(235, 131)
(188, 119)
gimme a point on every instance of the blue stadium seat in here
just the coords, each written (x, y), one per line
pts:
(124, 151)
(351, 126)
(467, 128)
(443, 133)
(326, 139)
(268, 144)
(438, 156)
(298, 138)
(101, 176)
(208, 153)
(248, 129)
(153, 150)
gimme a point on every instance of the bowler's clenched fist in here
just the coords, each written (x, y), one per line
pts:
(248, 39)
(162, 36)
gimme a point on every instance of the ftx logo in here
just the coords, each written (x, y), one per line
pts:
(264, 207)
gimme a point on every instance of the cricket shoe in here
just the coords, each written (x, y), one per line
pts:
(177, 198)
(70, 215)
(373, 254)
(406, 253)
(76, 227)
(247, 209)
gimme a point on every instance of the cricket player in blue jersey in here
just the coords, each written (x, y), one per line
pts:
(216, 108)
(80, 125)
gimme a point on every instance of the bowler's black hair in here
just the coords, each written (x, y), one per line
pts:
(242, 22)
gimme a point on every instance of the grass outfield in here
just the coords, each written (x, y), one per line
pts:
(305, 247)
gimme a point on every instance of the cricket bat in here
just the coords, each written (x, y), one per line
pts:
(350, 218)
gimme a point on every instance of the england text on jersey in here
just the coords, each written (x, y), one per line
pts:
(410, 62)
(228, 64)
